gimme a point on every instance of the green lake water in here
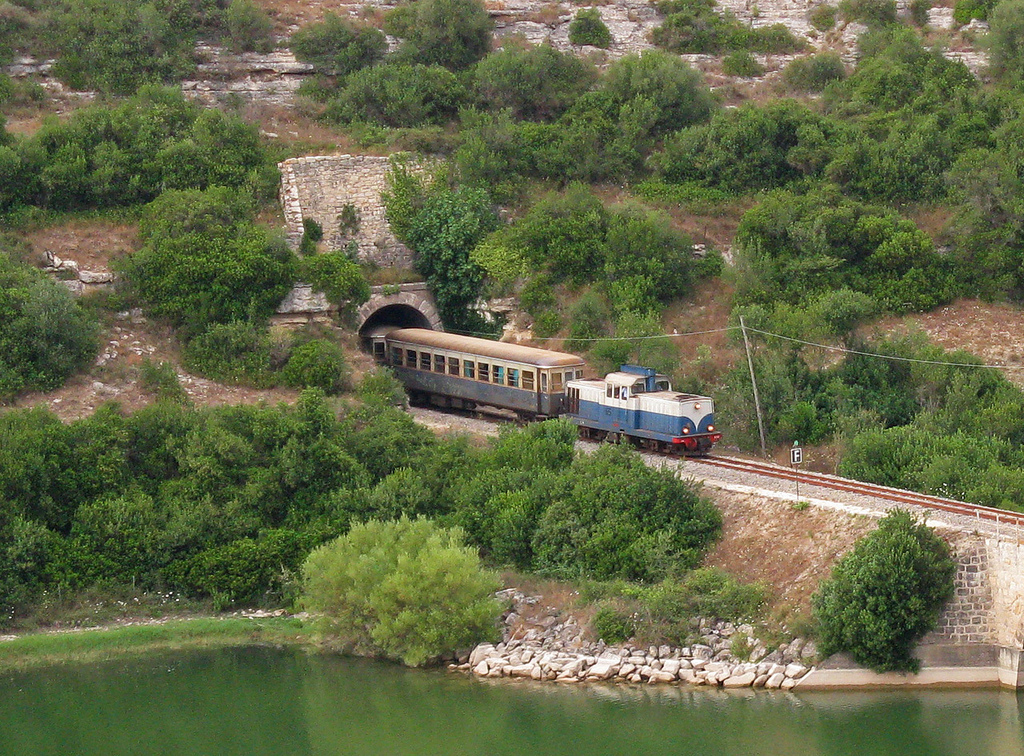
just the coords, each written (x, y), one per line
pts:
(262, 701)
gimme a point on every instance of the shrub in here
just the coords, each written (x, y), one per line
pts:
(338, 47)
(45, 335)
(1006, 41)
(964, 11)
(238, 352)
(338, 277)
(814, 73)
(249, 27)
(676, 91)
(741, 63)
(204, 262)
(587, 28)
(873, 13)
(886, 594)
(919, 12)
(398, 95)
(161, 379)
(618, 518)
(613, 626)
(450, 33)
(317, 364)
(535, 83)
(822, 17)
(406, 589)
(244, 571)
(116, 47)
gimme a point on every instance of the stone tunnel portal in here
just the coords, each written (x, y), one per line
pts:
(393, 316)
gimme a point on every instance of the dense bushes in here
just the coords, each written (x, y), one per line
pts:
(793, 246)
(886, 594)
(693, 26)
(128, 154)
(406, 590)
(534, 83)
(204, 261)
(337, 47)
(587, 28)
(45, 335)
(450, 33)
(398, 95)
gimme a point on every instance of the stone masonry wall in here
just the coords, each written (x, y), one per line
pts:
(321, 187)
(988, 606)
(1006, 579)
(969, 616)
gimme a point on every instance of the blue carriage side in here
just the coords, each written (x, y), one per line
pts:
(638, 404)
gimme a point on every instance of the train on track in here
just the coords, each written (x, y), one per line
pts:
(633, 404)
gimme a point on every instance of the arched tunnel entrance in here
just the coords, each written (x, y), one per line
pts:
(404, 306)
(390, 317)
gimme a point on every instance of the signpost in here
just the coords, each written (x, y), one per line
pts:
(796, 457)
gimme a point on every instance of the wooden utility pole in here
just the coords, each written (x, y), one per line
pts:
(753, 382)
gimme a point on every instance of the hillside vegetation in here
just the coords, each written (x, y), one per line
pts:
(845, 196)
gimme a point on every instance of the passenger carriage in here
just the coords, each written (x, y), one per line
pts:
(464, 372)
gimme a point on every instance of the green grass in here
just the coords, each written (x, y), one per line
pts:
(43, 649)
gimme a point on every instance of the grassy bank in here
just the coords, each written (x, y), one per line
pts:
(76, 647)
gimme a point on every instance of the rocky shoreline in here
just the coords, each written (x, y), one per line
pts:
(548, 648)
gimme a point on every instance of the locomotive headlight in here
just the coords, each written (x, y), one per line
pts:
(697, 406)
(686, 430)
(711, 427)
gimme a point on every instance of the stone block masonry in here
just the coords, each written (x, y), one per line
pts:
(321, 187)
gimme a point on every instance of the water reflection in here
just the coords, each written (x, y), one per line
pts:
(260, 701)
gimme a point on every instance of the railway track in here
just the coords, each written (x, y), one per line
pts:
(976, 512)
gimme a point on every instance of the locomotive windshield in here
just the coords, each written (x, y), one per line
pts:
(662, 384)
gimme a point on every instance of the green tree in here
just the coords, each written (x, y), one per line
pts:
(116, 47)
(249, 27)
(676, 91)
(1005, 38)
(443, 234)
(398, 95)
(450, 33)
(45, 336)
(196, 271)
(407, 589)
(886, 594)
(535, 83)
(587, 28)
(337, 46)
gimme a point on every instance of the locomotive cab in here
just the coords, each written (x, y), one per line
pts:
(639, 404)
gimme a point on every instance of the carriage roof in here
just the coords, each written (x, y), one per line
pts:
(498, 350)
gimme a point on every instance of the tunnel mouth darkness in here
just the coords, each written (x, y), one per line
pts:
(390, 317)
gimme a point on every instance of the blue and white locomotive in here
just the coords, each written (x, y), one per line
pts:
(635, 404)
(639, 405)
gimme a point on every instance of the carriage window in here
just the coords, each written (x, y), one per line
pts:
(608, 390)
(617, 392)
(544, 383)
(469, 369)
(513, 378)
(528, 380)
(396, 355)
(556, 382)
(568, 376)
(424, 360)
(485, 374)
(499, 375)
(438, 363)
(410, 358)
(453, 366)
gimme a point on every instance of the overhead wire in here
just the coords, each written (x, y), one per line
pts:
(827, 347)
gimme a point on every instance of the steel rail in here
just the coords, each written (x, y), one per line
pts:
(928, 501)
